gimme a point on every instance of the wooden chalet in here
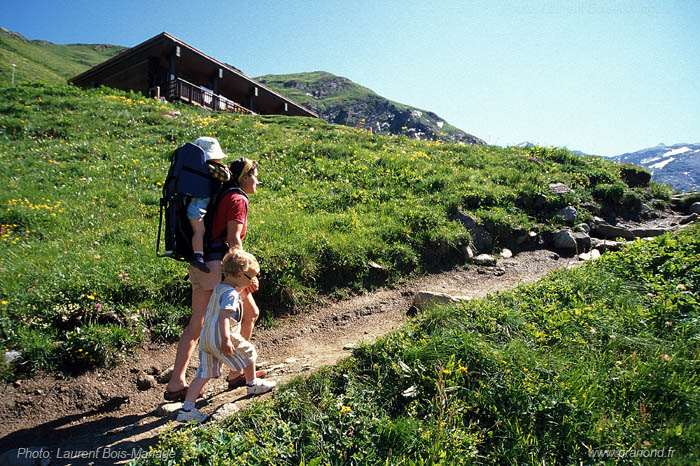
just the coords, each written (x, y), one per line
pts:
(166, 67)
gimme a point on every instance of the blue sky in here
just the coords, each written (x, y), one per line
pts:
(601, 76)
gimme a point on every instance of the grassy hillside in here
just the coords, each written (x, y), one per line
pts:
(83, 171)
(43, 61)
(348, 92)
(597, 365)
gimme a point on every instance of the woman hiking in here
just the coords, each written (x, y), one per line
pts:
(228, 231)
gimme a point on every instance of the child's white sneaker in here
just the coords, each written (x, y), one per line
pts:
(260, 386)
(192, 415)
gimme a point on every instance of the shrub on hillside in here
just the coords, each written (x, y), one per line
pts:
(635, 176)
(611, 194)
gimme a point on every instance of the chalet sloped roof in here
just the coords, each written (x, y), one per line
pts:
(156, 45)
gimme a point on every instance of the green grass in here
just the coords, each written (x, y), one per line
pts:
(83, 174)
(603, 359)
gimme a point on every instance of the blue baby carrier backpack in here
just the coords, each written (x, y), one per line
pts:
(188, 177)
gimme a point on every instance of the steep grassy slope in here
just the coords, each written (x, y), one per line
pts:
(38, 60)
(82, 173)
(341, 101)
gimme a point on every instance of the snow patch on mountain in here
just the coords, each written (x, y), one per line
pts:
(660, 165)
(677, 165)
(678, 151)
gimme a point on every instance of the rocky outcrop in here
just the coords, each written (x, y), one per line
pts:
(569, 214)
(481, 239)
(604, 230)
(383, 116)
(564, 239)
(583, 241)
(14, 35)
(587, 240)
(607, 231)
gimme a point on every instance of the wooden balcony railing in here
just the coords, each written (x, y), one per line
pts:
(193, 94)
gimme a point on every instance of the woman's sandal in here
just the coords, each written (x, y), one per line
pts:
(239, 381)
(178, 395)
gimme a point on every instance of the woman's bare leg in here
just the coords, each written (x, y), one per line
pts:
(188, 340)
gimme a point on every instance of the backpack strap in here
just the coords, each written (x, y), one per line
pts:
(215, 250)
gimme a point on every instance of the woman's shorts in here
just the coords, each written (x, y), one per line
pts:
(206, 281)
(197, 207)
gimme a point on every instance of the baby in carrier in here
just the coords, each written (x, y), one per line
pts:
(197, 208)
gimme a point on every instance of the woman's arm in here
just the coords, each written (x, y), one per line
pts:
(233, 234)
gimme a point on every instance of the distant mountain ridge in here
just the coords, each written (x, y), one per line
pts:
(677, 165)
(339, 100)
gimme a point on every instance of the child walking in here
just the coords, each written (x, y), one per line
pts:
(220, 341)
(197, 208)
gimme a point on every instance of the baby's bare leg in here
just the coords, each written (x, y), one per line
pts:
(197, 234)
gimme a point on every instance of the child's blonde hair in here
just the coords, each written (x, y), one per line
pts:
(237, 260)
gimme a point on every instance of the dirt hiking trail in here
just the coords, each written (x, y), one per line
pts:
(104, 417)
